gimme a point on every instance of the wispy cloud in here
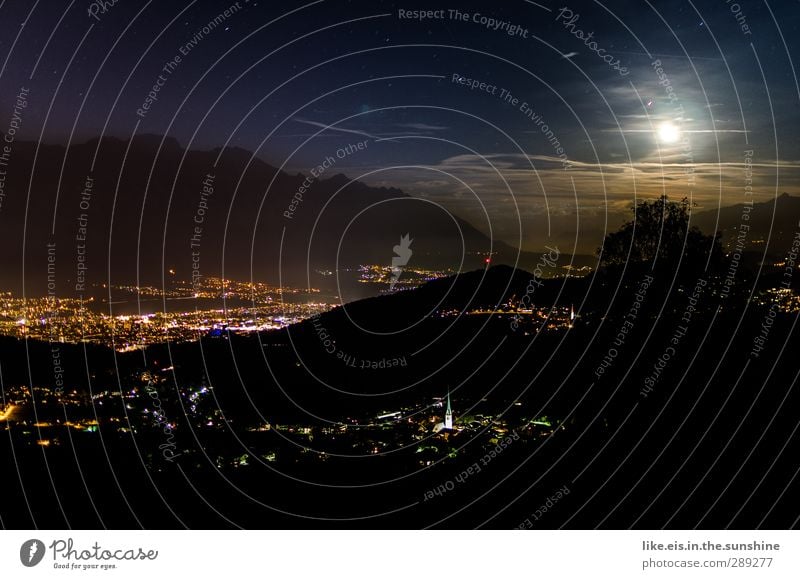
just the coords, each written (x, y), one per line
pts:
(333, 128)
(529, 177)
(423, 127)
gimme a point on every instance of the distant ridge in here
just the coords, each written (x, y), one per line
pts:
(777, 220)
(145, 202)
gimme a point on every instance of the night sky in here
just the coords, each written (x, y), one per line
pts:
(642, 98)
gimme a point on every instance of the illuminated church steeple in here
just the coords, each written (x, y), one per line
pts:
(448, 415)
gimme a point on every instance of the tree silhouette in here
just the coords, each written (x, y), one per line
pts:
(660, 232)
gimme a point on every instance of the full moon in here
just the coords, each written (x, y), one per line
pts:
(668, 132)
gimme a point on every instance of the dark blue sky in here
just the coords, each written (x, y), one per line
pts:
(663, 97)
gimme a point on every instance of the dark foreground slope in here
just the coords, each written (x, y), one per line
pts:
(647, 411)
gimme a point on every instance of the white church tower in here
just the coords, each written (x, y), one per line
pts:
(448, 415)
